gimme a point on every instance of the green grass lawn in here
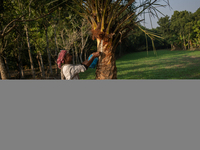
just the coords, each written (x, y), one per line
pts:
(166, 65)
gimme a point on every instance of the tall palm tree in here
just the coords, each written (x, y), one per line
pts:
(111, 22)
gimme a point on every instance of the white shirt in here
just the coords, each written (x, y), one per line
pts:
(71, 71)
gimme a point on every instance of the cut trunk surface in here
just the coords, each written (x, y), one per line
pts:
(106, 67)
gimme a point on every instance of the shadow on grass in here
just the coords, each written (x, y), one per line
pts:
(166, 65)
(180, 68)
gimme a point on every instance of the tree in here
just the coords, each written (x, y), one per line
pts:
(82, 31)
(111, 21)
(178, 22)
(7, 24)
(196, 29)
(164, 28)
(11, 14)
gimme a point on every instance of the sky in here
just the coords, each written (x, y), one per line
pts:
(179, 5)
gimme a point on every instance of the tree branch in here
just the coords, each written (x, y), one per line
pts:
(38, 17)
(9, 25)
(10, 30)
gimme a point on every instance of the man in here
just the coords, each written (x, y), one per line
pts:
(70, 71)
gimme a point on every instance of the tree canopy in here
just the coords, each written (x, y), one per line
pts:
(181, 30)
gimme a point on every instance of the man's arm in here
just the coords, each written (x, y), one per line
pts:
(87, 62)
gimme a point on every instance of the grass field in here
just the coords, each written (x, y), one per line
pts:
(166, 65)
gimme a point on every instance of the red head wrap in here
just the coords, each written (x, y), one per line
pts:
(61, 57)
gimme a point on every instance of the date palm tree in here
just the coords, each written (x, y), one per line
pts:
(111, 22)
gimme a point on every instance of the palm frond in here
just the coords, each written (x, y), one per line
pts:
(109, 18)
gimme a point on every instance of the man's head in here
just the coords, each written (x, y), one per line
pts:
(68, 58)
(64, 58)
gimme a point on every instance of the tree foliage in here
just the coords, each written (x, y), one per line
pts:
(181, 30)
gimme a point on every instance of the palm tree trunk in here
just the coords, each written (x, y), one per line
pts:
(4, 74)
(48, 53)
(106, 67)
(29, 52)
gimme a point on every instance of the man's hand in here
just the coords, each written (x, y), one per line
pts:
(89, 62)
(96, 54)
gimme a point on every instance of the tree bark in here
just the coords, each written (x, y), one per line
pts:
(85, 54)
(29, 52)
(191, 45)
(21, 71)
(81, 55)
(48, 53)
(76, 57)
(4, 74)
(40, 63)
(184, 43)
(106, 67)
(189, 41)
(3, 71)
(7, 67)
(172, 47)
